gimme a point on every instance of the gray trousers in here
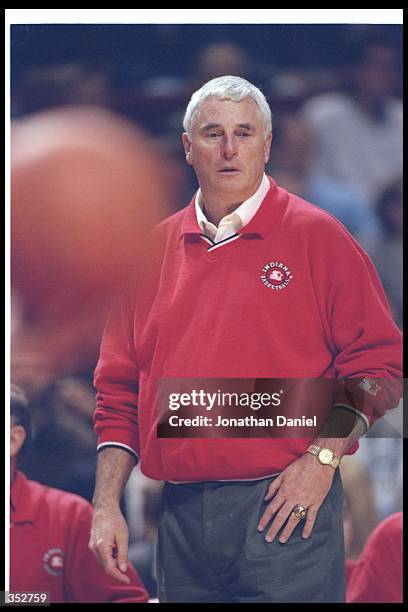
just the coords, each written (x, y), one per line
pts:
(209, 549)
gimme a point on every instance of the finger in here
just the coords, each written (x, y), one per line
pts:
(290, 526)
(110, 567)
(122, 552)
(278, 521)
(270, 510)
(310, 521)
(273, 487)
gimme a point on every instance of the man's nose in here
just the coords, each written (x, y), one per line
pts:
(229, 148)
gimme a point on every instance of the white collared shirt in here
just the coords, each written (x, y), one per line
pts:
(233, 222)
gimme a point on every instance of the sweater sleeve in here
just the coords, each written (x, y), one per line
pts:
(366, 343)
(85, 580)
(116, 380)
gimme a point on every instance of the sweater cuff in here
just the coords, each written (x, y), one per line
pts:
(119, 437)
(352, 409)
(370, 398)
(124, 447)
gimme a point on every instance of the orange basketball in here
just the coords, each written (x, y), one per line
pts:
(86, 187)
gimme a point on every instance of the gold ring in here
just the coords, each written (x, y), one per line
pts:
(299, 512)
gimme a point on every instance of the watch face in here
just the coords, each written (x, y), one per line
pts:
(326, 456)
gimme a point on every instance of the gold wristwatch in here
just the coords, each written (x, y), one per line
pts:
(324, 455)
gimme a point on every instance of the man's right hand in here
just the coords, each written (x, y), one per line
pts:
(109, 541)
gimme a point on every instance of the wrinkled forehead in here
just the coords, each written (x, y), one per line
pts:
(226, 113)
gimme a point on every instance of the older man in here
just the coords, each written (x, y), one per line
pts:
(249, 282)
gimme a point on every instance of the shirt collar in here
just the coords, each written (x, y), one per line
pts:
(245, 211)
(22, 507)
(269, 210)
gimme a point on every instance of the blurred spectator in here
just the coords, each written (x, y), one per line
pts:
(291, 154)
(142, 550)
(62, 84)
(212, 60)
(386, 248)
(377, 575)
(49, 534)
(220, 58)
(359, 131)
(383, 459)
(63, 431)
(288, 87)
(181, 175)
(360, 506)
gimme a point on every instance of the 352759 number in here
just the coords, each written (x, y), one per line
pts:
(26, 598)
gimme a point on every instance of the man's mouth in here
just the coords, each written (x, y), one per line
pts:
(228, 170)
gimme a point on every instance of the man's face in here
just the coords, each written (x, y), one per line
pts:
(228, 150)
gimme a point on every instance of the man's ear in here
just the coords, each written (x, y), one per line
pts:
(267, 146)
(17, 439)
(187, 147)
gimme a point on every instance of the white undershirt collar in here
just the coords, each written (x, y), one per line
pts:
(230, 224)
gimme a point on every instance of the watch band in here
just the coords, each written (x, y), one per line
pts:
(335, 462)
(314, 449)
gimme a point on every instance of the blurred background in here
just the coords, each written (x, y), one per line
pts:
(96, 159)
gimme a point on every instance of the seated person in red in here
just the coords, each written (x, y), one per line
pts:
(377, 575)
(49, 534)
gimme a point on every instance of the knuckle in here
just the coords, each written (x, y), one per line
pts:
(268, 513)
(277, 503)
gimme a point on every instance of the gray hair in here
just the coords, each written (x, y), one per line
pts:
(228, 88)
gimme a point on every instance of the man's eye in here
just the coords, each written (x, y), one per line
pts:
(213, 135)
(245, 134)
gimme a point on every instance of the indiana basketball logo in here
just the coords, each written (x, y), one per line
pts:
(275, 275)
(54, 561)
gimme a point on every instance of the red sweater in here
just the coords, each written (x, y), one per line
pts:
(204, 311)
(49, 535)
(377, 575)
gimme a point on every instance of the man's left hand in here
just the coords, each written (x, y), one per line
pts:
(305, 482)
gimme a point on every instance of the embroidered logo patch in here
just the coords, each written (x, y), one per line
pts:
(369, 385)
(54, 561)
(276, 275)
